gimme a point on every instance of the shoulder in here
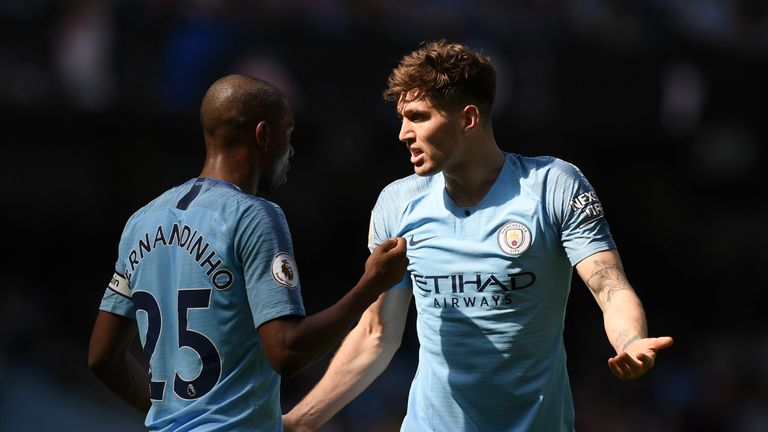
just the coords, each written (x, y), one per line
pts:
(242, 211)
(221, 201)
(544, 165)
(546, 172)
(407, 189)
(162, 201)
(231, 203)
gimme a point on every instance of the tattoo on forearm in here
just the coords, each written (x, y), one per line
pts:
(607, 279)
(629, 341)
(623, 338)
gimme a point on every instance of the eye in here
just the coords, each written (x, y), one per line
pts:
(416, 117)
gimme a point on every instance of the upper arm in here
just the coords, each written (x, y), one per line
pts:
(603, 273)
(385, 319)
(110, 339)
(274, 336)
(264, 246)
(575, 210)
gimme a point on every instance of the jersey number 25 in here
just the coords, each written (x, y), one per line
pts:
(205, 349)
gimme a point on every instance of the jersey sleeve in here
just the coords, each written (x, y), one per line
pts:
(384, 221)
(264, 247)
(117, 297)
(576, 210)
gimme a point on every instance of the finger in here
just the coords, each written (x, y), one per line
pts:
(612, 367)
(646, 360)
(388, 244)
(635, 366)
(615, 368)
(397, 245)
(400, 244)
(619, 364)
(629, 367)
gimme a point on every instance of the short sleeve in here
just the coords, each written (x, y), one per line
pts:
(263, 245)
(117, 297)
(384, 221)
(577, 212)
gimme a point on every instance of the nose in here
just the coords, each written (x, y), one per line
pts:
(406, 135)
(290, 150)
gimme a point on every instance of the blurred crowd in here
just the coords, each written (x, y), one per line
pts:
(96, 55)
(660, 102)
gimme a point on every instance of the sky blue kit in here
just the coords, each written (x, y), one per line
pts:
(491, 284)
(200, 268)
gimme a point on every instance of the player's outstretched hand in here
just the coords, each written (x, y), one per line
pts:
(387, 263)
(638, 357)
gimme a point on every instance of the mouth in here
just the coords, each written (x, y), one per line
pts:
(417, 156)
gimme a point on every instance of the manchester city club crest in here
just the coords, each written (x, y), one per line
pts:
(514, 238)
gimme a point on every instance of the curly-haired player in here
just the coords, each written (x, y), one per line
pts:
(493, 239)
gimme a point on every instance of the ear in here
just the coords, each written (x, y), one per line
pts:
(262, 135)
(470, 117)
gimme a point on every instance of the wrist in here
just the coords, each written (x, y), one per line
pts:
(370, 286)
(296, 422)
(629, 342)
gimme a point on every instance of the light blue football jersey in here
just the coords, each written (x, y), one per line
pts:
(491, 283)
(200, 268)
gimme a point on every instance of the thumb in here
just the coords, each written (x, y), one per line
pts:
(388, 244)
(662, 342)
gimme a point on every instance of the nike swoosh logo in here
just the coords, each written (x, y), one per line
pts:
(414, 242)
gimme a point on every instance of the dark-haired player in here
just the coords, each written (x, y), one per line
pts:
(207, 272)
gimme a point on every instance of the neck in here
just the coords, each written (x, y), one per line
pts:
(230, 168)
(470, 180)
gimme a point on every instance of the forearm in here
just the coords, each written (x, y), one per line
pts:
(362, 357)
(313, 336)
(127, 379)
(623, 314)
(624, 319)
(359, 361)
(110, 360)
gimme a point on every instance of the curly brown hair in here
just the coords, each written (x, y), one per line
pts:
(447, 74)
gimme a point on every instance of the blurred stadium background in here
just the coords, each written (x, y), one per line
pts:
(662, 104)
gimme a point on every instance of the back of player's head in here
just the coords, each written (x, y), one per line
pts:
(447, 74)
(235, 104)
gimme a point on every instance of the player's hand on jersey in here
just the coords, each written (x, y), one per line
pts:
(387, 263)
(638, 357)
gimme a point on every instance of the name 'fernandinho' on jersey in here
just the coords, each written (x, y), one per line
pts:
(193, 242)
